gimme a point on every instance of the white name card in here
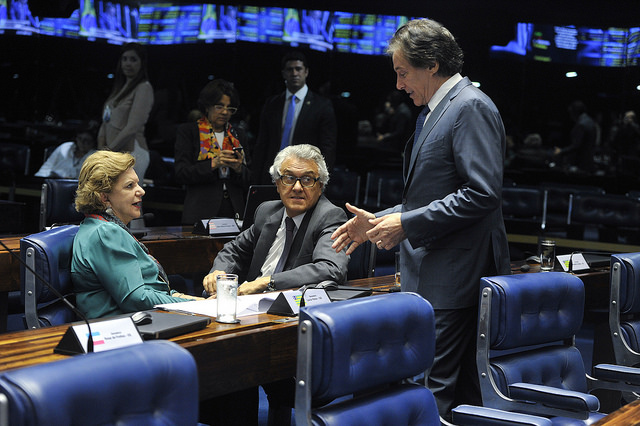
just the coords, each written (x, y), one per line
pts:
(107, 335)
(578, 262)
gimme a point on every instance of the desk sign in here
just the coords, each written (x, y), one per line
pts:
(315, 296)
(107, 335)
(216, 227)
(578, 262)
(287, 303)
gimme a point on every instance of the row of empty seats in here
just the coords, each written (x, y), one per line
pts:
(572, 211)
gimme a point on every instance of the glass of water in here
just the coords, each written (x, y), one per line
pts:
(227, 298)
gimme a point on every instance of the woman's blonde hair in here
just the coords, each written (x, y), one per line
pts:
(99, 172)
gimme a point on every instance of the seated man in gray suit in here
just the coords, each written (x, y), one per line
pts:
(300, 175)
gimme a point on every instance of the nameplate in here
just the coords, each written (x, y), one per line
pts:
(217, 227)
(315, 296)
(107, 335)
(578, 262)
(287, 303)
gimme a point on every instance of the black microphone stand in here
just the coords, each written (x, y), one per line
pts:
(56, 293)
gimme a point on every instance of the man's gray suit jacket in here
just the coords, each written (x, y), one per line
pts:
(311, 259)
(451, 203)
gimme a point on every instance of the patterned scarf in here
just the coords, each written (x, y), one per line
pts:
(209, 147)
(108, 216)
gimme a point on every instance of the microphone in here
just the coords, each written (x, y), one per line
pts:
(55, 292)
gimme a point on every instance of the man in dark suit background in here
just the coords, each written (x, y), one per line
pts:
(312, 120)
(449, 224)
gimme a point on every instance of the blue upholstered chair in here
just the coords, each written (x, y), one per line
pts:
(363, 349)
(624, 308)
(527, 358)
(153, 383)
(49, 254)
(57, 203)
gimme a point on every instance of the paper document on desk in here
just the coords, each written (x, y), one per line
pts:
(249, 304)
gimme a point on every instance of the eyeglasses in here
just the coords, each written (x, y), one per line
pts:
(219, 108)
(305, 181)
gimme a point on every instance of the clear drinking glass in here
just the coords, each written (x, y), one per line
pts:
(227, 298)
(547, 255)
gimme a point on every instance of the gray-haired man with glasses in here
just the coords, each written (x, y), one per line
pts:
(303, 212)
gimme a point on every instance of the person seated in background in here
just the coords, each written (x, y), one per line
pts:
(300, 174)
(66, 160)
(396, 123)
(112, 272)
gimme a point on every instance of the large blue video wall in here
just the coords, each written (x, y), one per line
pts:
(166, 23)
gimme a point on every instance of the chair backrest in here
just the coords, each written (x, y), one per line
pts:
(366, 347)
(383, 188)
(615, 217)
(152, 383)
(362, 262)
(624, 308)
(526, 332)
(343, 187)
(15, 158)
(49, 254)
(523, 209)
(57, 202)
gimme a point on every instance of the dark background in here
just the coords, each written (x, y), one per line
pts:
(56, 79)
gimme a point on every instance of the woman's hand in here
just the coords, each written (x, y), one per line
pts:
(227, 158)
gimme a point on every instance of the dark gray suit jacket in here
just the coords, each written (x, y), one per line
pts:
(451, 204)
(311, 259)
(316, 125)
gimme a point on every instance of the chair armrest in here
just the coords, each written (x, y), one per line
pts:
(470, 415)
(617, 373)
(554, 397)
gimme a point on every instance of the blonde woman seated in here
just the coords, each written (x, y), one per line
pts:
(112, 272)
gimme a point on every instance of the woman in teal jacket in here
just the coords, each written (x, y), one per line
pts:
(112, 272)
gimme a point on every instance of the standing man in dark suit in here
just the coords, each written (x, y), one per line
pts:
(449, 225)
(311, 120)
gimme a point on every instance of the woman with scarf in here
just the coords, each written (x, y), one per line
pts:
(209, 159)
(112, 272)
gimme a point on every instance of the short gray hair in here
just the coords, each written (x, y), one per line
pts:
(303, 152)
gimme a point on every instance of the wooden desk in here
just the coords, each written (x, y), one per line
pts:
(230, 357)
(177, 249)
(627, 415)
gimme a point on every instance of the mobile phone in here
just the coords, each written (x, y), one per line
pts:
(236, 150)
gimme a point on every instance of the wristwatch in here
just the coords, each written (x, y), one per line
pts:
(272, 285)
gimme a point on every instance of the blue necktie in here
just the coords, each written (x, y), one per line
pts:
(288, 123)
(416, 135)
(288, 222)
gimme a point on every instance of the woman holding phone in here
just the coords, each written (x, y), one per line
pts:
(210, 160)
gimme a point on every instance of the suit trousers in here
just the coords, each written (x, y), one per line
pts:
(453, 377)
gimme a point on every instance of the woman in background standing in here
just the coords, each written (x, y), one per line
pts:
(127, 108)
(209, 157)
